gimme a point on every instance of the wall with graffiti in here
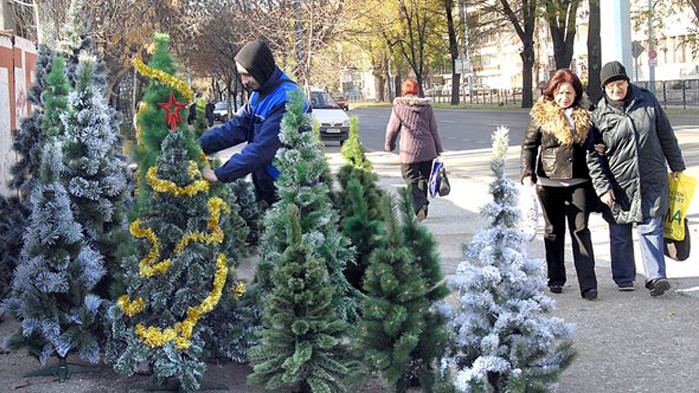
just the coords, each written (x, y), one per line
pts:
(17, 59)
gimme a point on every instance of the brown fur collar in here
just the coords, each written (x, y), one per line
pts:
(412, 100)
(548, 116)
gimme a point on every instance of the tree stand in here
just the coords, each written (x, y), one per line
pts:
(172, 385)
(63, 370)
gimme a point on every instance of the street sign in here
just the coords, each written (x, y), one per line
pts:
(652, 54)
(637, 49)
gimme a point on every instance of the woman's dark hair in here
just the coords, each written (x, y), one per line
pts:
(560, 77)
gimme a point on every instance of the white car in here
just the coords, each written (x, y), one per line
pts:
(334, 122)
(221, 111)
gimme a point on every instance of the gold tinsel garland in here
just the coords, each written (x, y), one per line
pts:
(181, 332)
(160, 185)
(216, 204)
(131, 308)
(149, 265)
(164, 78)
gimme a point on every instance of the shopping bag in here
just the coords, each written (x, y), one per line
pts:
(438, 184)
(679, 249)
(529, 206)
(681, 192)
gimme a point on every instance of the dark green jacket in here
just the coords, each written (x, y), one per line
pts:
(638, 142)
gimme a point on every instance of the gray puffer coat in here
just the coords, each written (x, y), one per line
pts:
(638, 142)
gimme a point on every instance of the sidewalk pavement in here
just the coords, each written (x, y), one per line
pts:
(626, 342)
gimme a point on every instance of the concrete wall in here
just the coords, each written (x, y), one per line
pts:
(17, 60)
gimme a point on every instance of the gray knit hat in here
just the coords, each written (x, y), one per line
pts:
(612, 71)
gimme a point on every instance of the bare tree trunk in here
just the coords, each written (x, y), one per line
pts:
(527, 55)
(561, 15)
(594, 50)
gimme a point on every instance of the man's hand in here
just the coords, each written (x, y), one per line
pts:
(208, 174)
(676, 175)
(608, 198)
(527, 181)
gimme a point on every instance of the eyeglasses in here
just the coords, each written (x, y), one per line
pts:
(622, 84)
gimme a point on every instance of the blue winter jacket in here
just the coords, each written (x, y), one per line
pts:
(257, 123)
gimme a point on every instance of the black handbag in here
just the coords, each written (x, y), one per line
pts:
(679, 249)
(444, 187)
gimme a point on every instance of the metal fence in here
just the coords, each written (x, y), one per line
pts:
(481, 97)
(675, 93)
(684, 93)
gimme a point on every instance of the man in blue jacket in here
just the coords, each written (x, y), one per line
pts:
(257, 123)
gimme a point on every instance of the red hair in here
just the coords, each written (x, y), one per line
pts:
(560, 77)
(409, 87)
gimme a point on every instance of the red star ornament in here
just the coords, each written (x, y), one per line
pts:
(173, 116)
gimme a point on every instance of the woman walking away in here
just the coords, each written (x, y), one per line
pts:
(419, 142)
(554, 158)
(630, 175)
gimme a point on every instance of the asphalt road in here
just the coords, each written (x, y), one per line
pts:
(465, 129)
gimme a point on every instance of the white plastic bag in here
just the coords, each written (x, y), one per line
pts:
(529, 206)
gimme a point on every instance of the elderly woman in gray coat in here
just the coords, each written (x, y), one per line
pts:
(630, 176)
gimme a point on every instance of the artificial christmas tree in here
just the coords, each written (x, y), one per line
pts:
(249, 208)
(301, 342)
(504, 339)
(433, 340)
(13, 217)
(302, 166)
(395, 308)
(28, 141)
(96, 177)
(51, 291)
(358, 204)
(55, 99)
(183, 264)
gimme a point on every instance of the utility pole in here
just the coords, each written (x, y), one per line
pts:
(652, 54)
(616, 30)
(465, 56)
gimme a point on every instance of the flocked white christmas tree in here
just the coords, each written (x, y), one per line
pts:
(504, 338)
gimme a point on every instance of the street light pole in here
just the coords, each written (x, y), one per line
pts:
(465, 57)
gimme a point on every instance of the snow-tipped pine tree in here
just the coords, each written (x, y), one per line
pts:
(505, 339)
(301, 342)
(52, 289)
(249, 208)
(186, 247)
(302, 165)
(13, 217)
(77, 39)
(28, 142)
(96, 177)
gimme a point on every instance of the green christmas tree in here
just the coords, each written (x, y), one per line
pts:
(358, 204)
(55, 99)
(301, 343)
(433, 340)
(182, 268)
(396, 308)
(302, 166)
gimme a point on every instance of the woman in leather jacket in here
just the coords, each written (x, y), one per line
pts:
(554, 158)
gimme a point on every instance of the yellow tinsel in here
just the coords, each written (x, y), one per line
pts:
(164, 78)
(216, 204)
(239, 290)
(131, 308)
(149, 265)
(140, 133)
(160, 185)
(204, 159)
(181, 332)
